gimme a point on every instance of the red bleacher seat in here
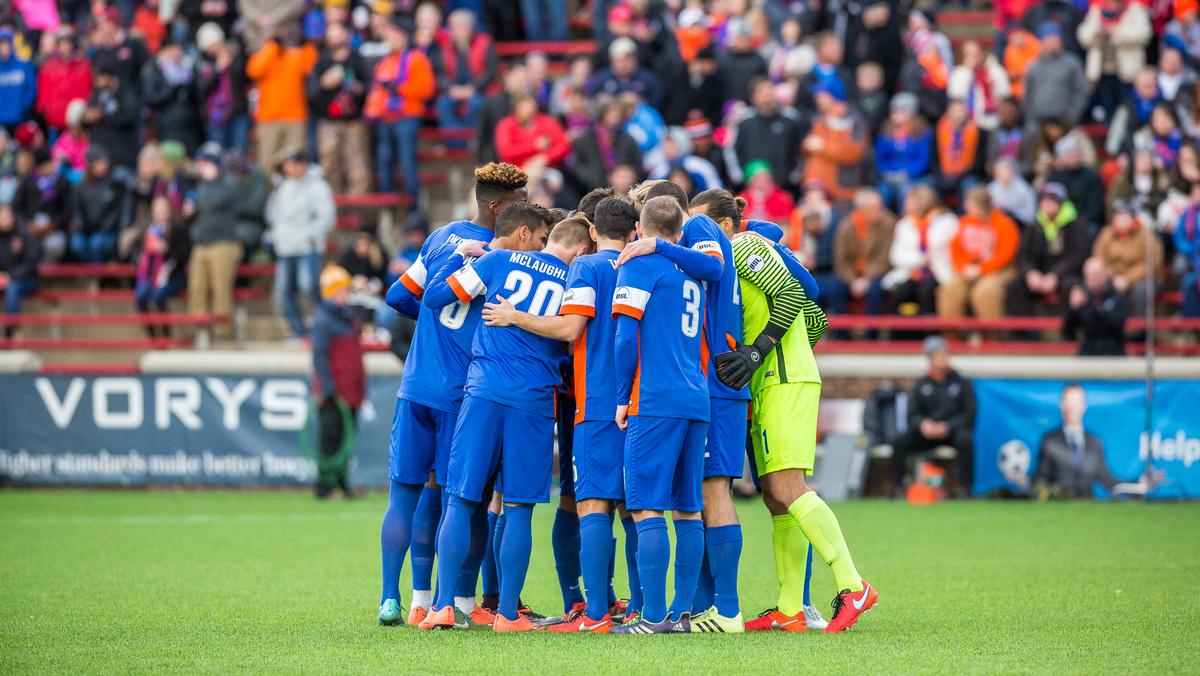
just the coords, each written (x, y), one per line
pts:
(558, 48)
(115, 270)
(126, 319)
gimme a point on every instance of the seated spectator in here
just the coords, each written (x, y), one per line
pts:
(1142, 184)
(941, 412)
(981, 82)
(1122, 247)
(279, 69)
(300, 214)
(113, 114)
(1007, 141)
(70, 149)
(223, 88)
(1187, 247)
(1134, 111)
(427, 30)
(540, 79)
(677, 156)
(64, 76)
(402, 84)
(860, 256)
(162, 262)
(1175, 80)
(575, 82)
(625, 75)
(465, 65)
(959, 149)
(337, 88)
(599, 147)
(982, 254)
(765, 200)
(813, 240)
(1011, 193)
(529, 139)
(1097, 311)
(1180, 180)
(836, 145)
(871, 99)
(1050, 255)
(765, 131)
(1042, 160)
(170, 87)
(96, 204)
(18, 264)
(926, 73)
(1183, 32)
(216, 251)
(366, 262)
(739, 62)
(780, 53)
(1081, 180)
(118, 51)
(903, 150)
(1160, 136)
(43, 203)
(1055, 85)
(18, 83)
(920, 252)
(1115, 34)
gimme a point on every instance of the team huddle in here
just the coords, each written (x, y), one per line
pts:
(656, 335)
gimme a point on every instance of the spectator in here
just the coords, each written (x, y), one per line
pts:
(96, 211)
(1011, 194)
(1161, 136)
(926, 73)
(465, 64)
(1007, 141)
(149, 26)
(428, 33)
(1042, 153)
(531, 140)
(739, 62)
(860, 256)
(339, 380)
(1134, 111)
(42, 201)
(250, 206)
(573, 84)
(170, 87)
(366, 262)
(873, 35)
(959, 149)
(279, 70)
(70, 150)
(678, 156)
(1082, 182)
(1021, 50)
(600, 147)
(941, 412)
(920, 252)
(18, 264)
(223, 88)
(1097, 311)
(1050, 255)
(495, 108)
(1187, 247)
(827, 68)
(1115, 34)
(981, 82)
(765, 200)
(122, 55)
(982, 255)
(337, 88)
(872, 100)
(903, 150)
(1180, 180)
(1175, 80)
(813, 241)
(836, 145)
(1122, 246)
(1142, 184)
(538, 65)
(545, 20)
(1055, 86)
(766, 131)
(1062, 16)
(162, 262)
(625, 75)
(113, 114)
(216, 250)
(1183, 32)
(18, 83)
(403, 82)
(64, 76)
(300, 214)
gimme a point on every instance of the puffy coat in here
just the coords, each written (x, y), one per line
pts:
(59, 81)
(300, 214)
(1127, 36)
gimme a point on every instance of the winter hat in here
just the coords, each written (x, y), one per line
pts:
(26, 132)
(933, 344)
(75, 111)
(767, 229)
(209, 35)
(756, 167)
(1066, 145)
(334, 279)
(906, 101)
(1049, 29)
(1055, 191)
(209, 152)
(173, 152)
(698, 127)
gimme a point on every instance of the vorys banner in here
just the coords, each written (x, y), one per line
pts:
(1019, 425)
(175, 429)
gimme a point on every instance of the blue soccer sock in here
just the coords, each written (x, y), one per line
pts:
(424, 537)
(395, 534)
(564, 540)
(612, 563)
(689, 554)
(724, 548)
(469, 576)
(491, 583)
(497, 539)
(595, 555)
(454, 541)
(703, 600)
(514, 556)
(631, 565)
(653, 558)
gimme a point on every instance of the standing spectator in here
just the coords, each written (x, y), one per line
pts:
(216, 250)
(96, 204)
(279, 70)
(1007, 140)
(837, 143)
(300, 215)
(1134, 111)
(223, 87)
(926, 73)
(625, 75)
(1187, 247)
(1022, 48)
(112, 115)
(873, 35)
(920, 252)
(339, 380)
(250, 207)
(1122, 246)
(1082, 182)
(767, 132)
(402, 83)
(465, 64)
(545, 20)
(1183, 32)
(828, 67)
(337, 89)
(1055, 85)
(1115, 34)
(171, 89)
(1063, 15)
(981, 82)
(18, 83)
(860, 256)
(765, 200)
(123, 55)
(1050, 255)
(64, 76)
(982, 254)
(495, 108)
(903, 150)
(1098, 311)
(43, 203)
(18, 263)
(960, 150)
(162, 262)
(739, 62)
(1011, 193)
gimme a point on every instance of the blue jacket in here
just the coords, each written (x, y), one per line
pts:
(911, 158)
(18, 86)
(1188, 243)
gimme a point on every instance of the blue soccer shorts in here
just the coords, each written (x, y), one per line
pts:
(491, 438)
(599, 454)
(420, 442)
(664, 464)
(565, 410)
(725, 448)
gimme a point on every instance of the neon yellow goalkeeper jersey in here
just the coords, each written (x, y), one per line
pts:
(767, 286)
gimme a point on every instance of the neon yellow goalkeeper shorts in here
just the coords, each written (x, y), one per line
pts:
(784, 427)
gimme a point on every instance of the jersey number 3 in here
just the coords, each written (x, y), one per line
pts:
(546, 298)
(690, 322)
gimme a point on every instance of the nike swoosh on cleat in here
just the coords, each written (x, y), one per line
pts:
(461, 625)
(584, 626)
(858, 602)
(777, 625)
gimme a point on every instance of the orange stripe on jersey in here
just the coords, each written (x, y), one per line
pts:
(730, 341)
(717, 253)
(459, 290)
(581, 310)
(635, 395)
(411, 284)
(628, 311)
(580, 375)
(704, 355)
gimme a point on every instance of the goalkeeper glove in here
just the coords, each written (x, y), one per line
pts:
(737, 367)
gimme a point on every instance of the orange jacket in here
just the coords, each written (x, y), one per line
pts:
(837, 165)
(956, 158)
(279, 73)
(1019, 57)
(991, 244)
(395, 94)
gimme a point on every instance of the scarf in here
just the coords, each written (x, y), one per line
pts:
(604, 141)
(1009, 141)
(150, 264)
(984, 82)
(957, 146)
(1167, 148)
(922, 225)
(860, 231)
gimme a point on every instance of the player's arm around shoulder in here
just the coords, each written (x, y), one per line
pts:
(459, 279)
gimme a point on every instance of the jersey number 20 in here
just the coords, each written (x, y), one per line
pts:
(546, 298)
(690, 322)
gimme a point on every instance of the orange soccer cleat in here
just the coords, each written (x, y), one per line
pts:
(481, 617)
(417, 615)
(442, 618)
(773, 620)
(848, 606)
(522, 623)
(583, 624)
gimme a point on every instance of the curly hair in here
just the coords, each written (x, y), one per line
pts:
(499, 177)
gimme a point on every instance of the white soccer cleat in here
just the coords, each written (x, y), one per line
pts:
(813, 618)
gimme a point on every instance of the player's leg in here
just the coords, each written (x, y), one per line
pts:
(564, 533)
(424, 540)
(723, 461)
(468, 577)
(491, 569)
(634, 607)
(410, 456)
(687, 500)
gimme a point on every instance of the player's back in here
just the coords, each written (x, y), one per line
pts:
(723, 308)
(509, 365)
(672, 352)
(435, 369)
(590, 286)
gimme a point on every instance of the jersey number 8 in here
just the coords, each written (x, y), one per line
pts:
(690, 322)
(546, 298)
(454, 315)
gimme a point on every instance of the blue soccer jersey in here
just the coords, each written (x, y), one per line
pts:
(435, 370)
(509, 365)
(670, 377)
(723, 318)
(590, 286)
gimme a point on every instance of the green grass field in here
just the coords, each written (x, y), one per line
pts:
(253, 582)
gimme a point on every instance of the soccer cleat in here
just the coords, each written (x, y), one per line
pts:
(577, 610)
(813, 618)
(389, 613)
(417, 615)
(667, 626)
(773, 620)
(712, 622)
(442, 618)
(848, 606)
(617, 611)
(481, 617)
(583, 624)
(536, 617)
(522, 623)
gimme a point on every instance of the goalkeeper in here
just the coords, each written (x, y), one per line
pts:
(785, 388)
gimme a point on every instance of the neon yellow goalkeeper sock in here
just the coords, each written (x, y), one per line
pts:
(791, 550)
(821, 528)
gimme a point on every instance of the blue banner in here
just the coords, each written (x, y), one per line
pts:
(1020, 442)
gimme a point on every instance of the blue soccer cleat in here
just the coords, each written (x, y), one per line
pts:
(389, 613)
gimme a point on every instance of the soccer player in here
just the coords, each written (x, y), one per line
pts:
(661, 370)
(785, 386)
(429, 396)
(509, 407)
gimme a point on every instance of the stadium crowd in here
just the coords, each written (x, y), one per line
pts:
(1037, 175)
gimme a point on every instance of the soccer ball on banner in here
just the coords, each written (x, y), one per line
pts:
(1013, 462)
